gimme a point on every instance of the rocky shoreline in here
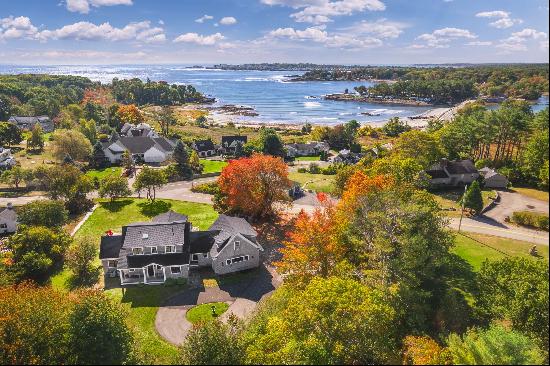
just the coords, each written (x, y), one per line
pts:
(359, 98)
(235, 110)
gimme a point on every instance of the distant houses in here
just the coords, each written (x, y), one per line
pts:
(204, 148)
(27, 123)
(309, 149)
(347, 157)
(167, 248)
(150, 150)
(7, 161)
(230, 144)
(456, 173)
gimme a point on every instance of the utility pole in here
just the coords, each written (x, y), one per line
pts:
(462, 209)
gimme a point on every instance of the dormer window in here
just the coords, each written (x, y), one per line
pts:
(236, 245)
(137, 251)
(153, 250)
(170, 249)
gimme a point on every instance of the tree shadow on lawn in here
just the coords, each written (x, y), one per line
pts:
(152, 209)
(460, 274)
(116, 206)
(141, 296)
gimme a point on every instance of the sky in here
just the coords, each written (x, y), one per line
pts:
(36, 32)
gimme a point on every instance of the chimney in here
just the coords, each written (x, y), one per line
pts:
(9, 206)
(444, 162)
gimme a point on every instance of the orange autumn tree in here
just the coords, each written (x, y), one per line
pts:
(129, 114)
(311, 249)
(253, 186)
(424, 351)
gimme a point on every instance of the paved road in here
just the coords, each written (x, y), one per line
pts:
(511, 202)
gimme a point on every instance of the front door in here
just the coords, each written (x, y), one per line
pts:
(151, 271)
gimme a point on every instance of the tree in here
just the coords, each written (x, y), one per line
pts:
(10, 134)
(212, 343)
(166, 119)
(150, 179)
(5, 108)
(15, 176)
(195, 163)
(181, 156)
(37, 251)
(72, 143)
(88, 129)
(99, 160)
(128, 114)
(34, 325)
(36, 140)
(269, 143)
(395, 127)
(253, 186)
(81, 258)
(47, 213)
(332, 321)
(114, 186)
(68, 183)
(472, 198)
(98, 331)
(343, 174)
(127, 161)
(424, 351)
(494, 346)
(418, 145)
(516, 290)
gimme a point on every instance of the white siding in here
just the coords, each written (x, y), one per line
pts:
(153, 155)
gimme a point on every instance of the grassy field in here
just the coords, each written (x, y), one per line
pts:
(142, 304)
(316, 182)
(212, 166)
(533, 193)
(203, 312)
(448, 200)
(476, 248)
(308, 158)
(103, 173)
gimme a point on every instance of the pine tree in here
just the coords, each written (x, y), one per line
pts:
(472, 198)
(181, 156)
(99, 159)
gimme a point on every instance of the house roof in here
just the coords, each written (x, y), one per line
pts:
(140, 261)
(202, 241)
(110, 247)
(228, 141)
(461, 167)
(32, 119)
(8, 214)
(437, 173)
(492, 174)
(233, 225)
(170, 216)
(154, 234)
(165, 144)
(204, 145)
(137, 145)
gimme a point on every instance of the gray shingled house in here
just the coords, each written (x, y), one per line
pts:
(204, 148)
(166, 248)
(27, 123)
(452, 173)
(151, 150)
(229, 144)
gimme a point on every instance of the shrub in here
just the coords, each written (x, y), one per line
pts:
(532, 219)
(302, 170)
(314, 168)
(207, 188)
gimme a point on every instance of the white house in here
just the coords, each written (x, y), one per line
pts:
(8, 220)
(142, 148)
(309, 149)
(7, 160)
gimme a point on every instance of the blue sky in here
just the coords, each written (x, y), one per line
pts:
(238, 31)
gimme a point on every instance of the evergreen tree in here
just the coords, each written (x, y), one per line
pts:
(181, 156)
(472, 198)
(99, 160)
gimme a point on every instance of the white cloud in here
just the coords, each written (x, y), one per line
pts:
(141, 31)
(204, 18)
(518, 40)
(17, 27)
(381, 28)
(319, 35)
(228, 21)
(479, 43)
(83, 6)
(440, 38)
(321, 11)
(503, 21)
(200, 39)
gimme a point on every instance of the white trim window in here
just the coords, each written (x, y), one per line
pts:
(112, 264)
(137, 250)
(244, 258)
(153, 249)
(236, 245)
(175, 270)
(170, 249)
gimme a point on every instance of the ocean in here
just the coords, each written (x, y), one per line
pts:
(275, 99)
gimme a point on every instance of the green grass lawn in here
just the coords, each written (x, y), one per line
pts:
(316, 182)
(476, 248)
(103, 173)
(202, 313)
(449, 200)
(212, 166)
(533, 193)
(308, 158)
(142, 304)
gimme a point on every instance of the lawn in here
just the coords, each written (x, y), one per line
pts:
(213, 166)
(476, 248)
(315, 182)
(202, 313)
(142, 304)
(533, 193)
(103, 173)
(308, 158)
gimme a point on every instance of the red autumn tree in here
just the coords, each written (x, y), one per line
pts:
(129, 114)
(254, 186)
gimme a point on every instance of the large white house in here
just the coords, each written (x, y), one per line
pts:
(166, 248)
(8, 220)
(151, 150)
